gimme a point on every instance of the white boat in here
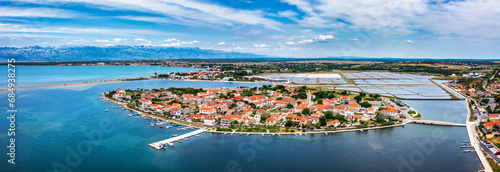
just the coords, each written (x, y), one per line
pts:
(197, 135)
(151, 124)
(326, 133)
(174, 134)
(170, 144)
(106, 110)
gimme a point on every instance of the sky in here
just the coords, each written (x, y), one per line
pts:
(468, 29)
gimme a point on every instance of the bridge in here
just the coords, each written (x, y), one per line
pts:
(173, 139)
(442, 123)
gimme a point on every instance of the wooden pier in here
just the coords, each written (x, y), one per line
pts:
(173, 139)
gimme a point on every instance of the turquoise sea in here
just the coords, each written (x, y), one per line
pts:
(66, 128)
(46, 75)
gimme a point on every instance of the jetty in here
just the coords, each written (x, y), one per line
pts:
(173, 139)
(442, 123)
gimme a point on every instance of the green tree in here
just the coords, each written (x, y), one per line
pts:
(329, 114)
(322, 121)
(306, 111)
(289, 106)
(288, 123)
(358, 98)
(365, 104)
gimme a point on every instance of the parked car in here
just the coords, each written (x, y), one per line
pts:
(497, 153)
(486, 142)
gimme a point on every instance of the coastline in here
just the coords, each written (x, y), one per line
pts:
(255, 133)
(67, 84)
(118, 80)
(471, 132)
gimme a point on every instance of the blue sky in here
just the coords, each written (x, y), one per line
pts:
(286, 28)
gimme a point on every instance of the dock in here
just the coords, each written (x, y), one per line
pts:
(442, 123)
(173, 139)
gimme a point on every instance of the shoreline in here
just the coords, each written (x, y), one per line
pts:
(118, 80)
(255, 133)
(471, 129)
(66, 84)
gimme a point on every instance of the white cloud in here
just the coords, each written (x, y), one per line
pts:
(177, 42)
(465, 18)
(119, 40)
(101, 40)
(171, 40)
(290, 43)
(305, 41)
(16, 28)
(354, 39)
(324, 37)
(260, 45)
(287, 14)
(140, 40)
(410, 42)
(221, 43)
(191, 11)
(38, 12)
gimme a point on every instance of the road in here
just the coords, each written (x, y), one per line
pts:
(490, 151)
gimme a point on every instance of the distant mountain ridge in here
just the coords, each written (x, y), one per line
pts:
(112, 53)
(122, 52)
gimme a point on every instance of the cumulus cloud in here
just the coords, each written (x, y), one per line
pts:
(221, 43)
(305, 41)
(260, 45)
(170, 40)
(119, 40)
(324, 37)
(140, 40)
(290, 43)
(176, 42)
(102, 40)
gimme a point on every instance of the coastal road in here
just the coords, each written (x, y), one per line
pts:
(490, 151)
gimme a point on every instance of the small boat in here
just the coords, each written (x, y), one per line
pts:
(232, 134)
(167, 127)
(262, 135)
(467, 150)
(225, 133)
(163, 127)
(463, 146)
(174, 135)
(106, 110)
(170, 144)
(248, 134)
(305, 134)
(197, 135)
(186, 139)
(158, 147)
(241, 134)
(300, 134)
(180, 141)
(151, 124)
(466, 141)
(273, 134)
(326, 133)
